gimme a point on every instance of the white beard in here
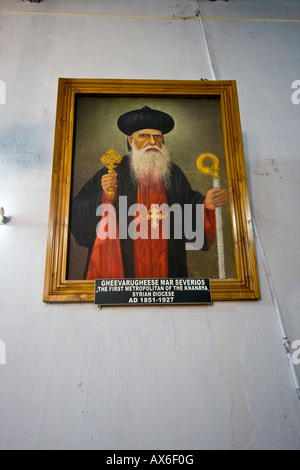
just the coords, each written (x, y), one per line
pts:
(150, 167)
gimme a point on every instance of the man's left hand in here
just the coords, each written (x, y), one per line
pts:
(215, 198)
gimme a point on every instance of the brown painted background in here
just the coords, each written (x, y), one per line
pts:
(198, 130)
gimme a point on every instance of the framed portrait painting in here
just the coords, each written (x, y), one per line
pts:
(166, 152)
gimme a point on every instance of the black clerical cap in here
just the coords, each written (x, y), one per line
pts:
(145, 118)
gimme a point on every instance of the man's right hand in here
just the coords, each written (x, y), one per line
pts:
(109, 182)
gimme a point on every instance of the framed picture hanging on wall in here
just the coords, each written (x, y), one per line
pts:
(149, 189)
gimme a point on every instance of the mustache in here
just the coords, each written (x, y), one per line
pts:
(151, 147)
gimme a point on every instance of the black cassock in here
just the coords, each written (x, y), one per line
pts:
(83, 219)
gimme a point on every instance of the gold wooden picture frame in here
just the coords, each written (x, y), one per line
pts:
(207, 120)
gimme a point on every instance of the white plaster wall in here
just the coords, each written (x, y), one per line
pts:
(193, 378)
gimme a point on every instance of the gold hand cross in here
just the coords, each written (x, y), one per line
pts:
(111, 159)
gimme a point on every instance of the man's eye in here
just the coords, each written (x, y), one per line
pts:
(144, 136)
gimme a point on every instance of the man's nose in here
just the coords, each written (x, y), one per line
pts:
(152, 140)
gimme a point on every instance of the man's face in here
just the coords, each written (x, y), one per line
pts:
(145, 138)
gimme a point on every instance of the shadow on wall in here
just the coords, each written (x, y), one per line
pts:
(27, 147)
